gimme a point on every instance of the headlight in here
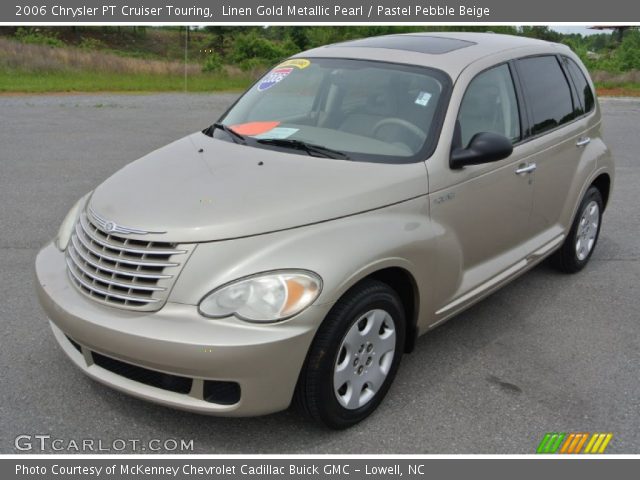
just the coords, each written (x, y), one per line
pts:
(266, 297)
(68, 224)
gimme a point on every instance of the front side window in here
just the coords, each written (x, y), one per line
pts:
(364, 110)
(548, 92)
(490, 105)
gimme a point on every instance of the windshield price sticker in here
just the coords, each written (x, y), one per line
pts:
(423, 99)
(278, 132)
(274, 76)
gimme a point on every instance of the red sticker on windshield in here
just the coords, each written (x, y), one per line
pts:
(254, 128)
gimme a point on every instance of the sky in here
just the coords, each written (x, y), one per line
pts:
(576, 29)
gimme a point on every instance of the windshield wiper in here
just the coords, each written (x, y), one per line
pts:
(235, 136)
(310, 148)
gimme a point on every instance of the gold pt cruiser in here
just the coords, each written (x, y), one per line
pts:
(355, 197)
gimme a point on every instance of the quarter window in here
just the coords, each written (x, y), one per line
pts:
(585, 94)
(490, 105)
(548, 92)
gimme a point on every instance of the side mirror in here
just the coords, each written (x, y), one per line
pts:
(485, 147)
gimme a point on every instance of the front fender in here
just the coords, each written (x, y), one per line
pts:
(341, 251)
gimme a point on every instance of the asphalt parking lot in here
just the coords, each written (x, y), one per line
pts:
(548, 353)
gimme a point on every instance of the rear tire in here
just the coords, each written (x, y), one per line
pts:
(583, 236)
(354, 356)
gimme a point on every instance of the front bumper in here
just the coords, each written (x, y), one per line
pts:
(264, 360)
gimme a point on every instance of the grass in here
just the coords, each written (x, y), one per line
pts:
(16, 81)
(617, 84)
(606, 89)
(153, 43)
(28, 68)
(43, 58)
(35, 68)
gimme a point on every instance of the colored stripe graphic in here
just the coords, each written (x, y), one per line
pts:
(550, 443)
(598, 443)
(543, 443)
(569, 443)
(576, 445)
(581, 443)
(572, 443)
(607, 439)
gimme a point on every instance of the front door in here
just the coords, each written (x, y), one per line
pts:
(484, 210)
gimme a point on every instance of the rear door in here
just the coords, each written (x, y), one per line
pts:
(557, 135)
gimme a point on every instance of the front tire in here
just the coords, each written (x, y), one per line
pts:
(583, 236)
(354, 356)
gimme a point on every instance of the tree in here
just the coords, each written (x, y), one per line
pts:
(541, 32)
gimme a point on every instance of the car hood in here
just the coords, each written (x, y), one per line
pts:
(202, 189)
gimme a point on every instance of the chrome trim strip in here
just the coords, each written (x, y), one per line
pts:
(118, 272)
(148, 251)
(485, 286)
(106, 293)
(542, 251)
(102, 222)
(100, 278)
(121, 259)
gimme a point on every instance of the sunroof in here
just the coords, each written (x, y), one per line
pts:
(412, 43)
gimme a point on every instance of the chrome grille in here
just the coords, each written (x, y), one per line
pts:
(120, 271)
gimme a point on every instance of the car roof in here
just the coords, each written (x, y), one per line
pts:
(447, 51)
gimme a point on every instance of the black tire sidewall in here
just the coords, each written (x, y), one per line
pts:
(324, 353)
(593, 194)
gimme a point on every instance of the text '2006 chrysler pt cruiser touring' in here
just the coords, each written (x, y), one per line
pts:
(355, 197)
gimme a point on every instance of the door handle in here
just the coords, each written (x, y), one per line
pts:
(583, 141)
(526, 168)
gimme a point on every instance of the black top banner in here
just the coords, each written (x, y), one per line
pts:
(315, 11)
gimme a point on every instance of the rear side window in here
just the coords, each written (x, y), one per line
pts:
(548, 92)
(585, 94)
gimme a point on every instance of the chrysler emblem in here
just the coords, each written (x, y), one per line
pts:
(110, 227)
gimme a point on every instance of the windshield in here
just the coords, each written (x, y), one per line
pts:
(340, 108)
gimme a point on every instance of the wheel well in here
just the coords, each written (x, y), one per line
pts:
(405, 286)
(603, 183)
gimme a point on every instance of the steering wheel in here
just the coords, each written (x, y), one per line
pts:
(399, 122)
